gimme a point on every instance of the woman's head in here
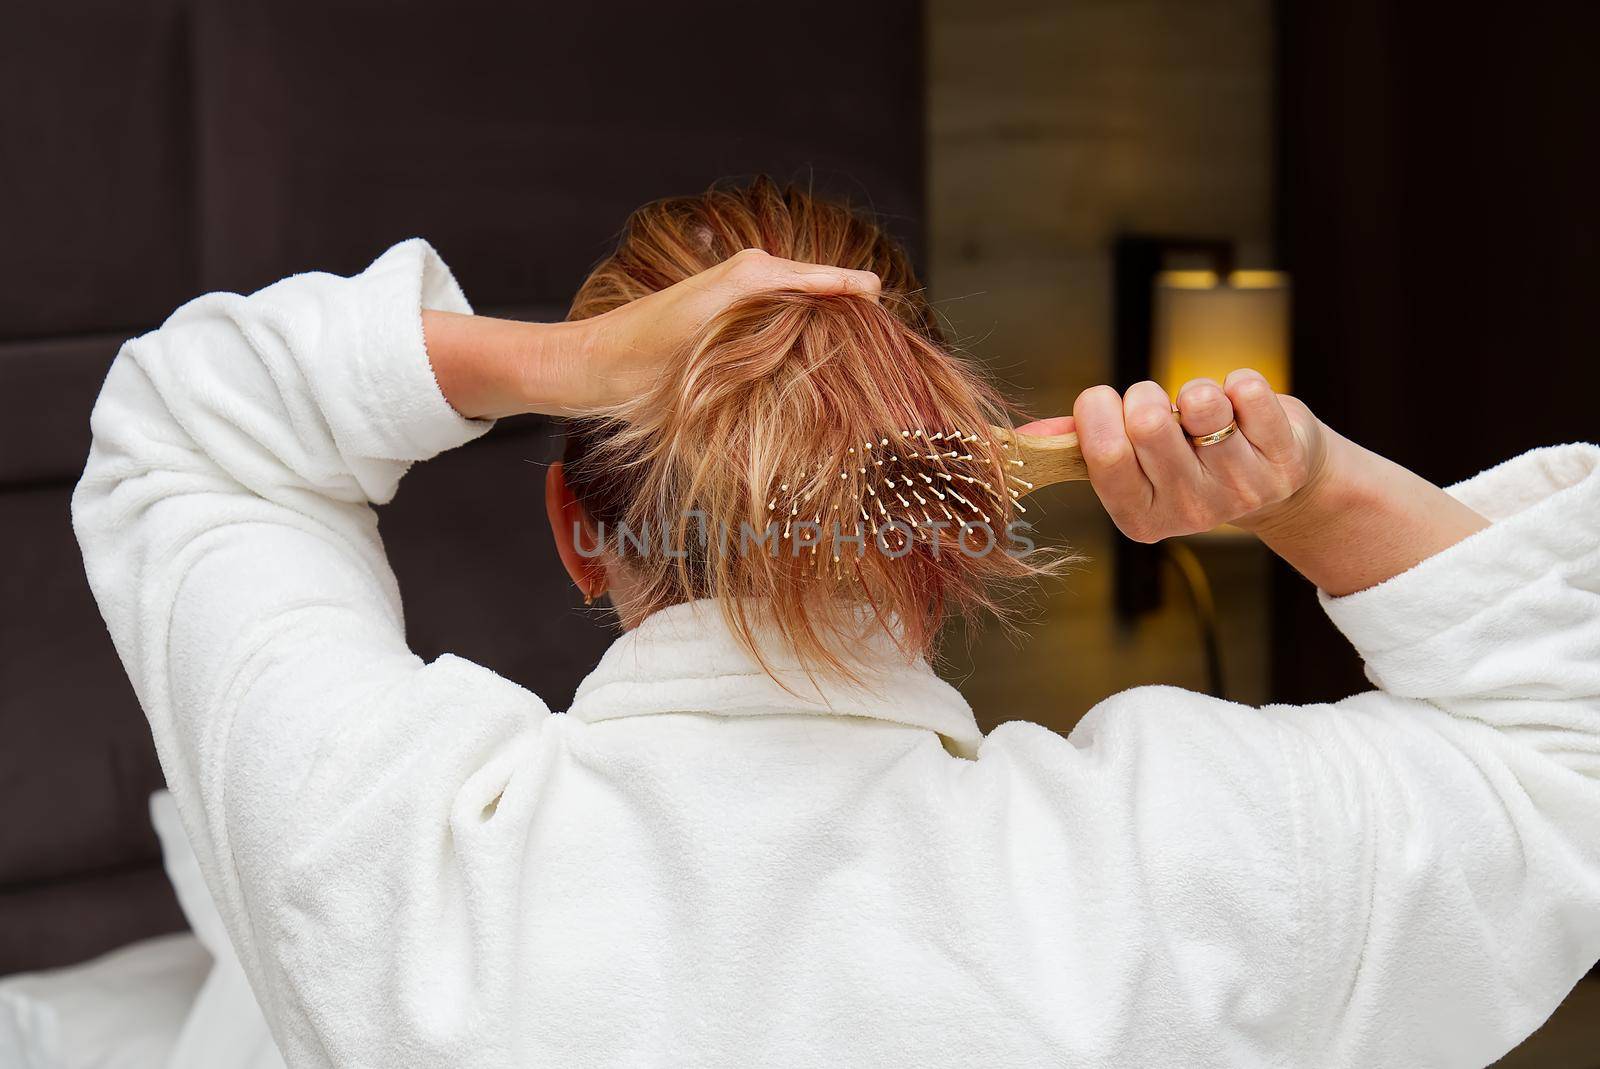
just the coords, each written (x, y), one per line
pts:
(814, 463)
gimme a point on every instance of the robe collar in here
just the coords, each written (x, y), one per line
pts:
(685, 659)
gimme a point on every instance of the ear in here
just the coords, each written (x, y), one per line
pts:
(567, 519)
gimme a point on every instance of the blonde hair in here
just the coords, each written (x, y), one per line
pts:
(827, 415)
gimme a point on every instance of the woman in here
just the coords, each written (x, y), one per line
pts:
(766, 833)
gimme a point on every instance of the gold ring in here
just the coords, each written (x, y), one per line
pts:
(1214, 437)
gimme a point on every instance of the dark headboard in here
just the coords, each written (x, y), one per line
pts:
(159, 149)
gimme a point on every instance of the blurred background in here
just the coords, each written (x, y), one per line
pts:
(1392, 210)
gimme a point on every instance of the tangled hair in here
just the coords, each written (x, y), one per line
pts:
(807, 455)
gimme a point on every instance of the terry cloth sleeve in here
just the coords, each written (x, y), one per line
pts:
(1449, 823)
(226, 522)
(1410, 876)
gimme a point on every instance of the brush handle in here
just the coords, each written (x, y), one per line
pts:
(1045, 460)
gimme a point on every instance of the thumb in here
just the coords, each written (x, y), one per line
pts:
(1049, 428)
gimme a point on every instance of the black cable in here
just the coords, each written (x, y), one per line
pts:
(1205, 611)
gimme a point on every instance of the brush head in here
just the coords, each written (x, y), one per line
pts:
(902, 487)
(909, 485)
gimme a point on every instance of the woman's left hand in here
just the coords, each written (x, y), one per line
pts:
(625, 345)
(1156, 483)
(489, 368)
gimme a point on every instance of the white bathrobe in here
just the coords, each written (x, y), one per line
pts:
(423, 865)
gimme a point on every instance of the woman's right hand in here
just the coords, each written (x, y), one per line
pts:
(1155, 483)
(1343, 516)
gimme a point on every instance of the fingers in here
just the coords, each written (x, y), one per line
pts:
(1108, 453)
(1260, 415)
(1164, 453)
(1203, 408)
(838, 280)
(754, 270)
(1155, 483)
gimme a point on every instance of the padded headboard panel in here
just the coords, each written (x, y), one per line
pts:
(164, 148)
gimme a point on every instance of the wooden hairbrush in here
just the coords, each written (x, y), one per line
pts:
(916, 482)
(1046, 460)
